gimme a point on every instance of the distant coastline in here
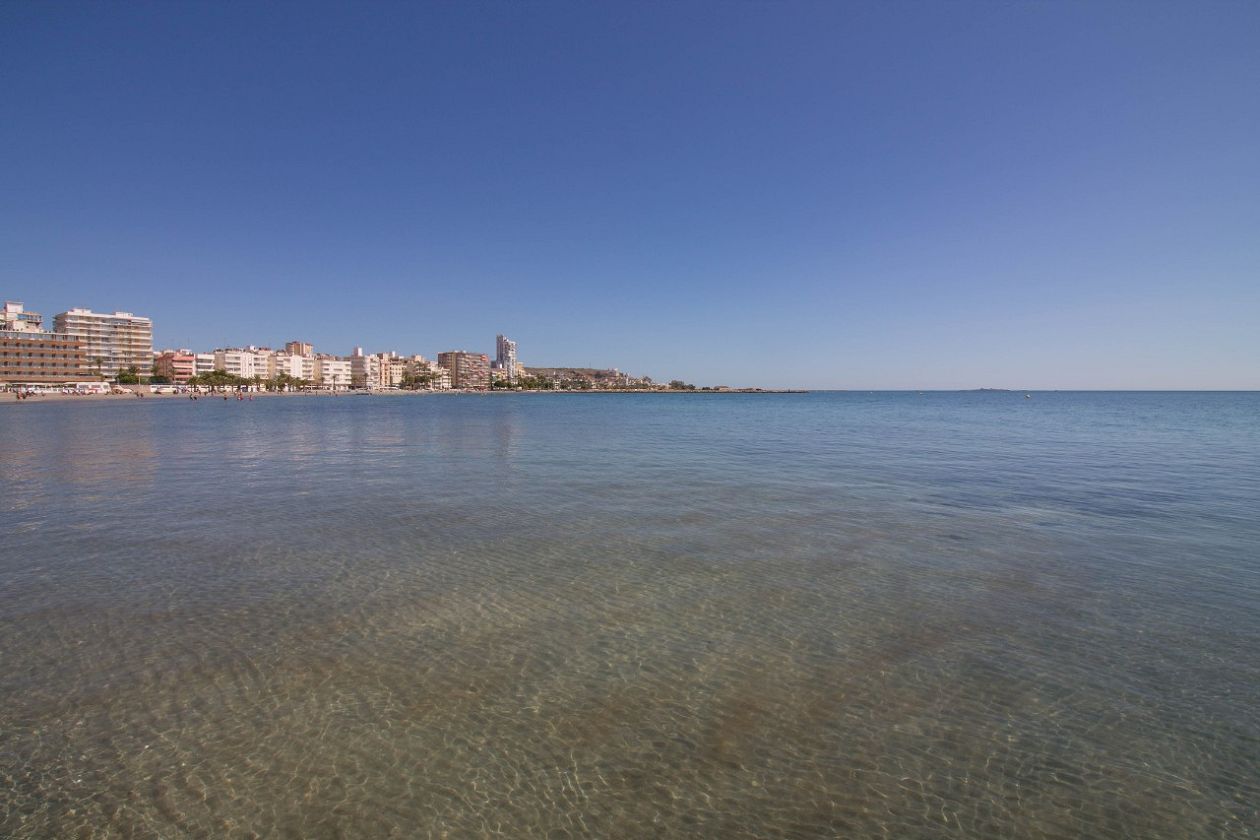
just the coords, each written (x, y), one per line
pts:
(142, 393)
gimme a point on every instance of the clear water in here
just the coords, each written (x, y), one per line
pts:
(823, 615)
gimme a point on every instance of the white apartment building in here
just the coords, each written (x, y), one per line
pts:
(204, 363)
(289, 364)
(14, 318)
(441, 378)
(332, 372)
(245, 362)
(113, 342)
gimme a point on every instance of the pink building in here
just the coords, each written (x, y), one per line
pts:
(176, 365)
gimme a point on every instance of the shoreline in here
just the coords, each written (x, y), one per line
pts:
(133, 395)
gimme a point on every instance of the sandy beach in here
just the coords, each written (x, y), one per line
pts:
(141, 392)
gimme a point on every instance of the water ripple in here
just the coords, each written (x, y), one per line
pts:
(816, 616)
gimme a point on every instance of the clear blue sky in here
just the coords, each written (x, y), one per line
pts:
(849, 195)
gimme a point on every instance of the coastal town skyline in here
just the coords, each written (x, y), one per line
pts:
(557, 371)
(81, 346)
(694, 189)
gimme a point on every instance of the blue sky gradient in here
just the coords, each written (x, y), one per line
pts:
(845, 195)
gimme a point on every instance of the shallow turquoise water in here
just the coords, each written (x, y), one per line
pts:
(622, 616)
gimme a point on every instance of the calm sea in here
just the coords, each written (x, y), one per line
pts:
(822, 615)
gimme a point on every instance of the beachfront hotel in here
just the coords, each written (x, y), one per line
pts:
(468, 370)
(246, 362)
(333, 372)
(112, 343)
(292, 365)
(30, 354)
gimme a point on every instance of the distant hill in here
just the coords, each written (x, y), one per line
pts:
(571, 373)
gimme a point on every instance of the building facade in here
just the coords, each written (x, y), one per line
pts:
(439, 378)
(247, 362)
(294, 365)
(332, 372)
(365, 371)
(505, 357)
(36, 356)
(468, 370)
(111, 343)
(13, 318)
(394, 370)
(176, 365)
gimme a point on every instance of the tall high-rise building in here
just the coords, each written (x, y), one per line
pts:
(468, 370)
(111, 343)
(299, 348)
(505, 356)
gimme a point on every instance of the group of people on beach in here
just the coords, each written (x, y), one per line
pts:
(22, 394)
